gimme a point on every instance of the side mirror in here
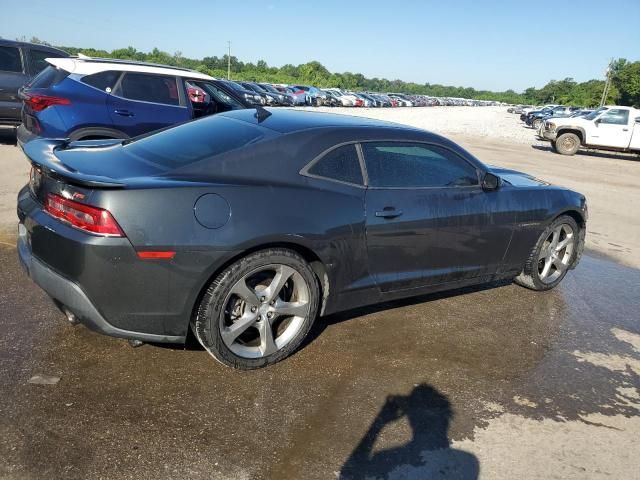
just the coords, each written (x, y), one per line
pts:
(637, 119)
(491, 182)
(597, 121)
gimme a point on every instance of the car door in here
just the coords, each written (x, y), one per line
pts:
(428, 220)
(611, 129)
(144, 102)
(12, 76)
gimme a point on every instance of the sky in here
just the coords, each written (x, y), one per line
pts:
(488, 44)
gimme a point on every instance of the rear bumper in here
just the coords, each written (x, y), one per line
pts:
(75, 300)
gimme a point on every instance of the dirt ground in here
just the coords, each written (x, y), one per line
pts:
(496, 382)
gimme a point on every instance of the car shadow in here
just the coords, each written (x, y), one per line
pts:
(7, 136)
(428, 454)
(594, 153)
(323, 322)
(192, 344)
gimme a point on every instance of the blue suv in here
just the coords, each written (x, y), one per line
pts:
(86, 98)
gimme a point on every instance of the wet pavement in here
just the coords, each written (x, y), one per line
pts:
(392, 391)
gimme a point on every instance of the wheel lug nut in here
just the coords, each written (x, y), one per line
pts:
(270, 314)
(259, 317)
(273, 302)
(253, 309)
(262, 299)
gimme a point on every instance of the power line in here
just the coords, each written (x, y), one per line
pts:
(607, 84)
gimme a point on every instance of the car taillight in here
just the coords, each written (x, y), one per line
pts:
(83, 217)
(40, 102)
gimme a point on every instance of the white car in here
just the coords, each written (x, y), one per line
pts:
(607, 128)
(347, 99)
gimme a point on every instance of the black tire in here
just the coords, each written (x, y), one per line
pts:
(554, 148)
(567, 144)
(206, 324)
(530, 277)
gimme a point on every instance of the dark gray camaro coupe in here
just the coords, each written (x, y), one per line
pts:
(248, 225)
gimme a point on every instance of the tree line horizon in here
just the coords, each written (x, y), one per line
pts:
(624, 89)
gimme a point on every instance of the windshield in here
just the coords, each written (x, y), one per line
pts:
(595, 113)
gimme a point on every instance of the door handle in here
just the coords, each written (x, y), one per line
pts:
(124, 113)
(388, 212)
(625, 129)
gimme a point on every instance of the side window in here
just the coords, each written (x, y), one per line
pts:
(615, 116)
(37, 61)
(10, 60)
(416, 165)
(149, 88)
(340, 164)
(102, 81)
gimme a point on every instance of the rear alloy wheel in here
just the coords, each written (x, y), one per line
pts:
(553, 255)
(258, 311)
(567, 144)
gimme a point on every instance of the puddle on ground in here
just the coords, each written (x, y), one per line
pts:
(376, 390)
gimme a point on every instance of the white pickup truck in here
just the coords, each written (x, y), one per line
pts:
(607, 128)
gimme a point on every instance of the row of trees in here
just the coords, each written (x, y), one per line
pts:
(625, 78)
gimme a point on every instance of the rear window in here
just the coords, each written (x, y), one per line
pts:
(10, 60)
(189, 143)
(37, 60)
(48, 77)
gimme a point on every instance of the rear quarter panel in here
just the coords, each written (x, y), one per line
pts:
(88, 106)
(324, 217)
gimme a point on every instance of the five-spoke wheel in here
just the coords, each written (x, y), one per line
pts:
(556, 253)
(553, 255)
(264, 311)
(258, 310)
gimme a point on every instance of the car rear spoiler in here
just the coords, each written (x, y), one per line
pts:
(42, 153)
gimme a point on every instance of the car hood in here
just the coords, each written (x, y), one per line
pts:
(517, 179)
(573, 121)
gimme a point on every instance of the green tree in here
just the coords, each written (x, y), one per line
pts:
(626, 79)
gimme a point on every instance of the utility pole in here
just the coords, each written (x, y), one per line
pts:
(229, 61)
(607, 84)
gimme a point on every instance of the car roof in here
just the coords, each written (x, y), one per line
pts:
(289, 121)
(38, 46)
(88, 66)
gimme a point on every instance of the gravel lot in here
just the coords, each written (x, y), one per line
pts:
(492, 122)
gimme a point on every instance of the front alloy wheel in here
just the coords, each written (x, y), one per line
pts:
(552, 256)
(556, 253)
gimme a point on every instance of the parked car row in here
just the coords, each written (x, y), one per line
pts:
(534, 116)
(52, 95)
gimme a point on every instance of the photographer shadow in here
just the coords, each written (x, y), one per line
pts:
(428, 455)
